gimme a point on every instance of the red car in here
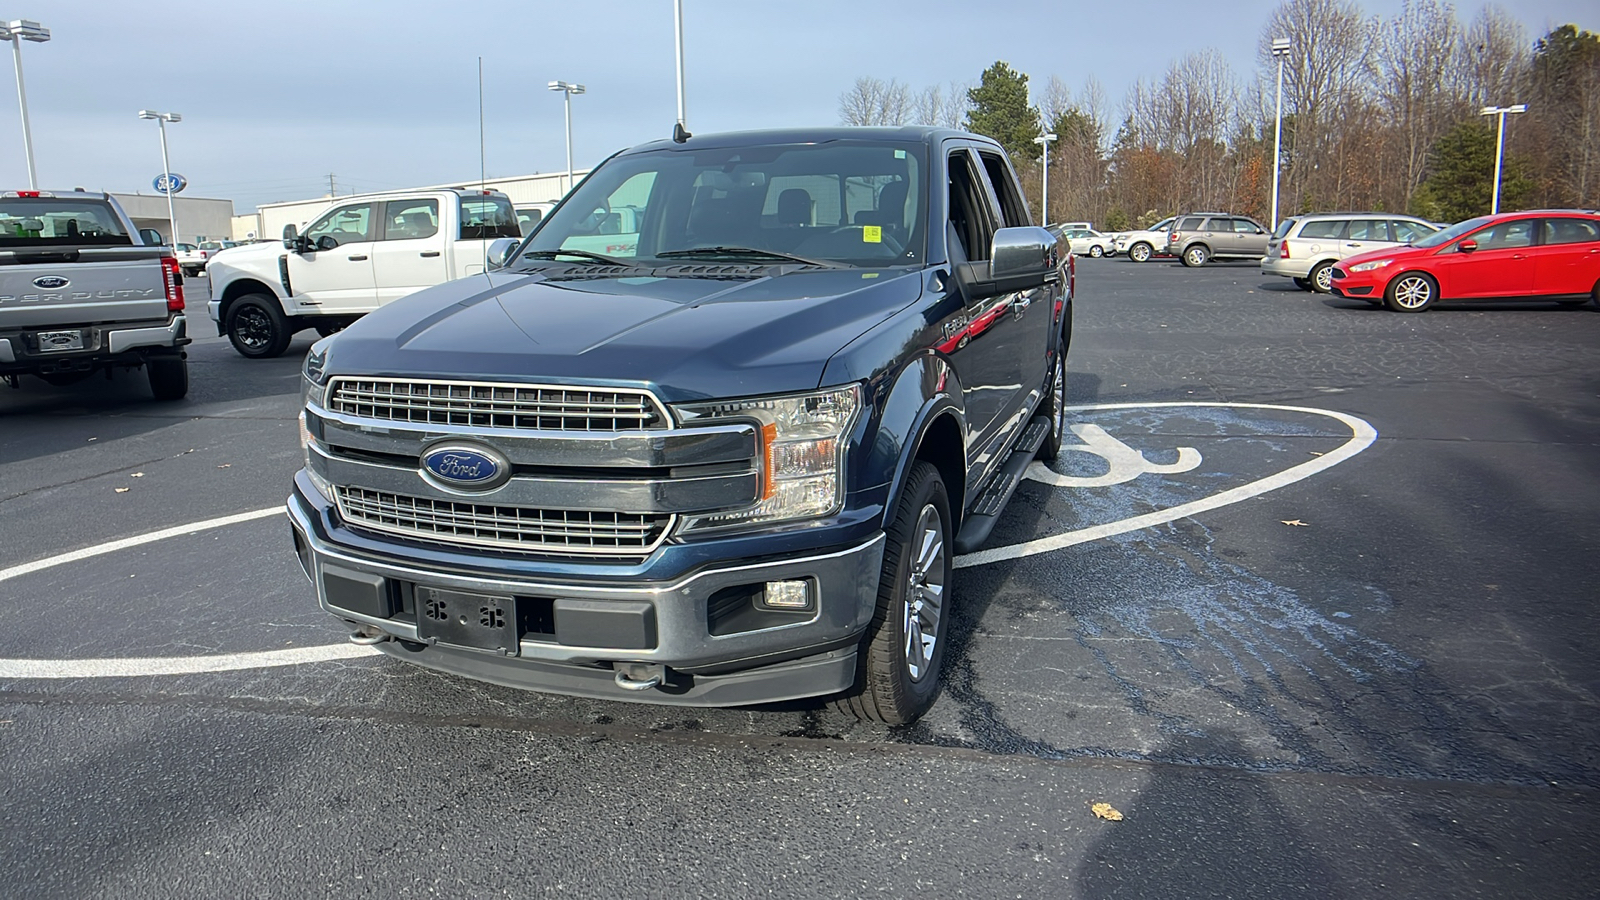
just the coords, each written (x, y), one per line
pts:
(1551, 254)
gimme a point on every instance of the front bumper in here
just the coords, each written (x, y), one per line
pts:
(122, 344)
(690, 630)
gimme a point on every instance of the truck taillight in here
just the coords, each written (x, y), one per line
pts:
(169, 268)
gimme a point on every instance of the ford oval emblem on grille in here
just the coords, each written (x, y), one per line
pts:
(466, 467)
(50, 282)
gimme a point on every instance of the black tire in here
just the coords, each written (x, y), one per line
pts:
(1141, 252)
(65, 379)
(1321, 277)
(1196, 255)
(1412, 292)
(1302, 284)
(1096, 251)
(333, 326)
(1055, 408)
(169, 377)
(886, 690)
(257, 327)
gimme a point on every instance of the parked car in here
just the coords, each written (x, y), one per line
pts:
(1306, 247)
(81, 292)
(366, 251)
(730, 464)
(1143, 244)
(190, 258)
(1088, 242)
(1198, 238)
(1537, 255)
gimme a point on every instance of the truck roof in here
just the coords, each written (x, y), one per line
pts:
(905, 133)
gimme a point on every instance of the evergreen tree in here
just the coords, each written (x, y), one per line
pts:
(1461, 176)
(1000, 110)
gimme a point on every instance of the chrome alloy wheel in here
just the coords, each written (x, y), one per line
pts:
(1323, 279)
(1413, 292)
(924, 600)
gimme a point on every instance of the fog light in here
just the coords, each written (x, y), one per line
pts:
(787, 594)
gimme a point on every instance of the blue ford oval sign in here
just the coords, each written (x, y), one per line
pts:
(466, 467)
(50, 282)
(170, 183)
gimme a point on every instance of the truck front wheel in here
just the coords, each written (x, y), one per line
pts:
(897, 675)
(257, 327)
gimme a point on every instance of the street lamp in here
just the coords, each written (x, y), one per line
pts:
(1499, 145)
(677, 33)
(16, 31)
(166, 168)
(1044, 140)
(568, 89)
(1280, 51)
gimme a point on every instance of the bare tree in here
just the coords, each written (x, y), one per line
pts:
(1417, 55)
(874, 102)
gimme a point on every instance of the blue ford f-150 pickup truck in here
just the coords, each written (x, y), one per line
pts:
(711, 435)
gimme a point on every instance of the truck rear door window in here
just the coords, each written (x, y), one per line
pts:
(484, 218)
(60, 222)
(408, 220)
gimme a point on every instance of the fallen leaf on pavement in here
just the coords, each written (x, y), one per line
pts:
(1106, 811)
(225, 466)
(1295, 522)
(123, 490)
(137, 475)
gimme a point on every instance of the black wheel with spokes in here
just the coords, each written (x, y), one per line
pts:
(257, 327)
(1054, 407)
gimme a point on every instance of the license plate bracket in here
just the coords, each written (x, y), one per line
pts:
(478, 621)
(58, 341)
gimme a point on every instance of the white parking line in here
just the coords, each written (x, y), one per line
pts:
(123, 544)
(177, 665)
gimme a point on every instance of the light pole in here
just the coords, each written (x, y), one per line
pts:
(1280, 50)
(1499, 145)
(568, 89)
(166, 168)
(1044, 140)
(16, 31)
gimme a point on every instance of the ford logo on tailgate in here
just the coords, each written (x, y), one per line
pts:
(50, 282)
(469, 467)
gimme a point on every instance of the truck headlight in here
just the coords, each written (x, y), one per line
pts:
(306, 440)
(800, 454)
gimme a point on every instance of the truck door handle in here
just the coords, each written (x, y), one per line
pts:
(357, 258)
(428, 253)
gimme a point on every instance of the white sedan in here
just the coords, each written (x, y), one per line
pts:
(1088, 242)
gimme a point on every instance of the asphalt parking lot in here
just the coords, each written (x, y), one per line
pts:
(1312, 605)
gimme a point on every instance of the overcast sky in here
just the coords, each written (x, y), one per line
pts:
(277, 94)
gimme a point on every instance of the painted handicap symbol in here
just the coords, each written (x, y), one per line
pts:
(1123, 463)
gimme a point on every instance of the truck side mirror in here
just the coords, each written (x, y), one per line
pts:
(291, 238)
(501, 250)
(1020, 259)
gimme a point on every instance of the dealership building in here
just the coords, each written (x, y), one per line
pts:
(199, 218)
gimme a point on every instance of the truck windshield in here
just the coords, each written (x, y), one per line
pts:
(60, 222)
(486, 217)
(858, 203)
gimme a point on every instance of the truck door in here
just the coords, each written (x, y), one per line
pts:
(338, 279)
(1028, 319)
(410, 253)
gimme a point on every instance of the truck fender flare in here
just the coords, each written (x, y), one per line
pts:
(927, 393)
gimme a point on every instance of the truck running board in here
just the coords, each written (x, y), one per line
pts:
(983, 515)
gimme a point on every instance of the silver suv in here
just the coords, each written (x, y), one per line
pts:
(1306, 247)
(1197, 238)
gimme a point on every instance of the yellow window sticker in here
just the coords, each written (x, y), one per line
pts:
(872, 234)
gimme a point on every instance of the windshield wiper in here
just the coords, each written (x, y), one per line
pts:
(751, 252)
(578, 254)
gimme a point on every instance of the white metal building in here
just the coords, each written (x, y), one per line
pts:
(199, 218)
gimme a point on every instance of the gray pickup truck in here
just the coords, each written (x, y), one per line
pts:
(82, 291)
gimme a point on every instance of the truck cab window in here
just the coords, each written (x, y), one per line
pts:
(1011, 206)
(346, 224)
(969, 220)
(484, 218)
(408, 220)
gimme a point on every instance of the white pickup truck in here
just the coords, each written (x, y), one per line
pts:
(363, 252)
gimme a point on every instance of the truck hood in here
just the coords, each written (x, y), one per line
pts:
(684, 337)
(258, 257)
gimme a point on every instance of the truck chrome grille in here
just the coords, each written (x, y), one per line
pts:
(547, 531)
(530, 407)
